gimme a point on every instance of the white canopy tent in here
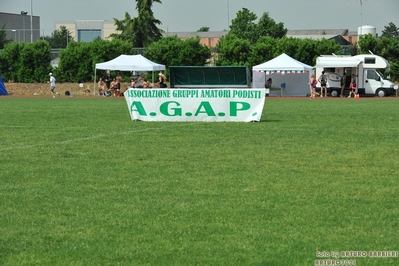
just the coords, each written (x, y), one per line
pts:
(286, 70)
(129, 63)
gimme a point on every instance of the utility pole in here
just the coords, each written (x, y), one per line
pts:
(31, 22)
(24, 13)
(228, 13)
(361, 16)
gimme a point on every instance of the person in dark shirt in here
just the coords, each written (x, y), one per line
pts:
(343, 81)
(107, 79)
(323, 84)
(268, 83)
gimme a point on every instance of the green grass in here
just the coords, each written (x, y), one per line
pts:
(82, 184)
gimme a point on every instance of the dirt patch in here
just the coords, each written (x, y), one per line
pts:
(43, 89)
(26, 90)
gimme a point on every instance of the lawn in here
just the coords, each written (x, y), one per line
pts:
(82, 184)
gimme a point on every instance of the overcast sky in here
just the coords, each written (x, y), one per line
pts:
(191, 15)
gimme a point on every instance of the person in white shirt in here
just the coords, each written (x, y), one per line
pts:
(52, 83)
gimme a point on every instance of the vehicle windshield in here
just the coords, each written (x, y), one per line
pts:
(381, 75)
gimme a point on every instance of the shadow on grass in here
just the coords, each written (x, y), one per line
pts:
(267, 121)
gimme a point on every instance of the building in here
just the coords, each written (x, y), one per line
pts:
(340, 36)
(18, 27)
(88, 30)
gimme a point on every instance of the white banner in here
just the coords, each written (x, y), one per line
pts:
(208, 105)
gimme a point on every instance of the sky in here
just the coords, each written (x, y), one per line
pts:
(191, 15)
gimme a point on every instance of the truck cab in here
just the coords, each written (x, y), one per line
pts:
(374, 83)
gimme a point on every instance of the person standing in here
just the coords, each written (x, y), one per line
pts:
(101, 88)
(312, 84)
(352, 86)
(107, 79)
(115, 87)
(161, 80)
(268, 83)
(119, 80)
(323, 85)
(343, 81)
(52, 83)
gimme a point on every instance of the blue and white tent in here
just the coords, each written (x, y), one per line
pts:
(3, 90)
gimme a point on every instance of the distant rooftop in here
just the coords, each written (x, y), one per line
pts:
(310, 33)
(333, 32)
(313, 37)
(193, 34)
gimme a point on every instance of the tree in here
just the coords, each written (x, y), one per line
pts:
(306, 51)
(3, 35)
(326, 47)
(268, 27)
(233, 51)
(263, 50)
(75, 63)
(390, 31)
(59, 38)
(353, 49)
(171, 51)
(9, 60)
(203, 29)
(142, 30)
(394, 71)
(125, 28)
(26, 62)
(34, 62)
(243, 26)
(389, 49)
(193, 53)
(78, 60)
(288, 45)
(367, 43)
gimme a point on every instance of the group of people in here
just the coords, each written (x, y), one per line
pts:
(323, 85)
(108, 86)
(112, 87)
(352, 86)
(140, 82)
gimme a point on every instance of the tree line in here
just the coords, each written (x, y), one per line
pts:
(248, 42)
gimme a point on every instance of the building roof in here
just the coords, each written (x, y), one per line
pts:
(342, 32)
(352, 33)
(312, 34)
(201, 34)
(313, 37)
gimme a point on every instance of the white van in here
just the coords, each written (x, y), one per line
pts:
(365, 66)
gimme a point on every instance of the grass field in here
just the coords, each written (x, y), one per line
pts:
(82, 184)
